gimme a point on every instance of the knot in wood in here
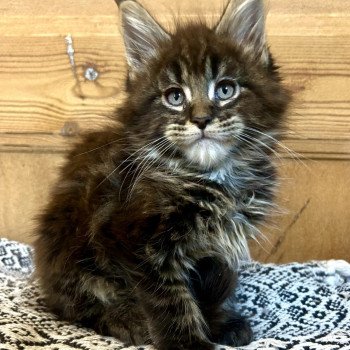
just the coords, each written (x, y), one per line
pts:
(91, 74)
(70, 128)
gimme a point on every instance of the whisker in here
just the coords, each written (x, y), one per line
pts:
(144, 166)
(293, 154)
(251, 138)
(145, 151)
(143, 155)
(97, 148)
(138, 150)
(254, 146)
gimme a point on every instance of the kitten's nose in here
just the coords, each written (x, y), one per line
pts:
(201, 121)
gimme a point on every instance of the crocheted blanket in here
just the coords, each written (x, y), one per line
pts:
(293, 306)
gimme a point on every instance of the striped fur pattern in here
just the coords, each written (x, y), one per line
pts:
(150, 217)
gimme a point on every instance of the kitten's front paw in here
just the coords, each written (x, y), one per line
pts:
(236, 333)
(129, 335)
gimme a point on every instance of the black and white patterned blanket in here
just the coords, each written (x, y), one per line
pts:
(293, 306)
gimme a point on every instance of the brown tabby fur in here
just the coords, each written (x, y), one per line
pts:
(144, 231)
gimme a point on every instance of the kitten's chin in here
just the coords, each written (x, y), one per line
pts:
(206, 153)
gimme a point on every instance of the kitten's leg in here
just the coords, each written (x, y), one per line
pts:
(119, 315)
(126, 322)
(213, 285)
(107, 307)
(232, 329)
(174, 318)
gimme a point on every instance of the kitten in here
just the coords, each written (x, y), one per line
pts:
(150, 218)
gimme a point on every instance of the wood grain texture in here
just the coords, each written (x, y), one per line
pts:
(315, 199)
(24, 189)
(40, 94)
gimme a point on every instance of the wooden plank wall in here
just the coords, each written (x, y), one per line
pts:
(44, 105)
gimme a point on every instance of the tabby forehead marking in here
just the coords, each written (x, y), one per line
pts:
(211, 90)
(188, 93)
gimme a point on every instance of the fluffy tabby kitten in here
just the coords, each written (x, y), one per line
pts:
(150, 218)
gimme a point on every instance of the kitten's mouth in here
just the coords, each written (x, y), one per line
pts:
(204, 135)
(203, 138)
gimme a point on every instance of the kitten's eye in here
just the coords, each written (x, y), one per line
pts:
(175, 97)
(226, 90)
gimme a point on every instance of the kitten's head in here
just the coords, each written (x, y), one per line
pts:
(200, 94)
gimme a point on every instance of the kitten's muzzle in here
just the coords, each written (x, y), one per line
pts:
(201, 121)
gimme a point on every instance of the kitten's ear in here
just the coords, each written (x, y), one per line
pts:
(244, 22)
(141, 33)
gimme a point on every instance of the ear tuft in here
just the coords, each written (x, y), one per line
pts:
(118, 2)
(244, 22)
(142, 34)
